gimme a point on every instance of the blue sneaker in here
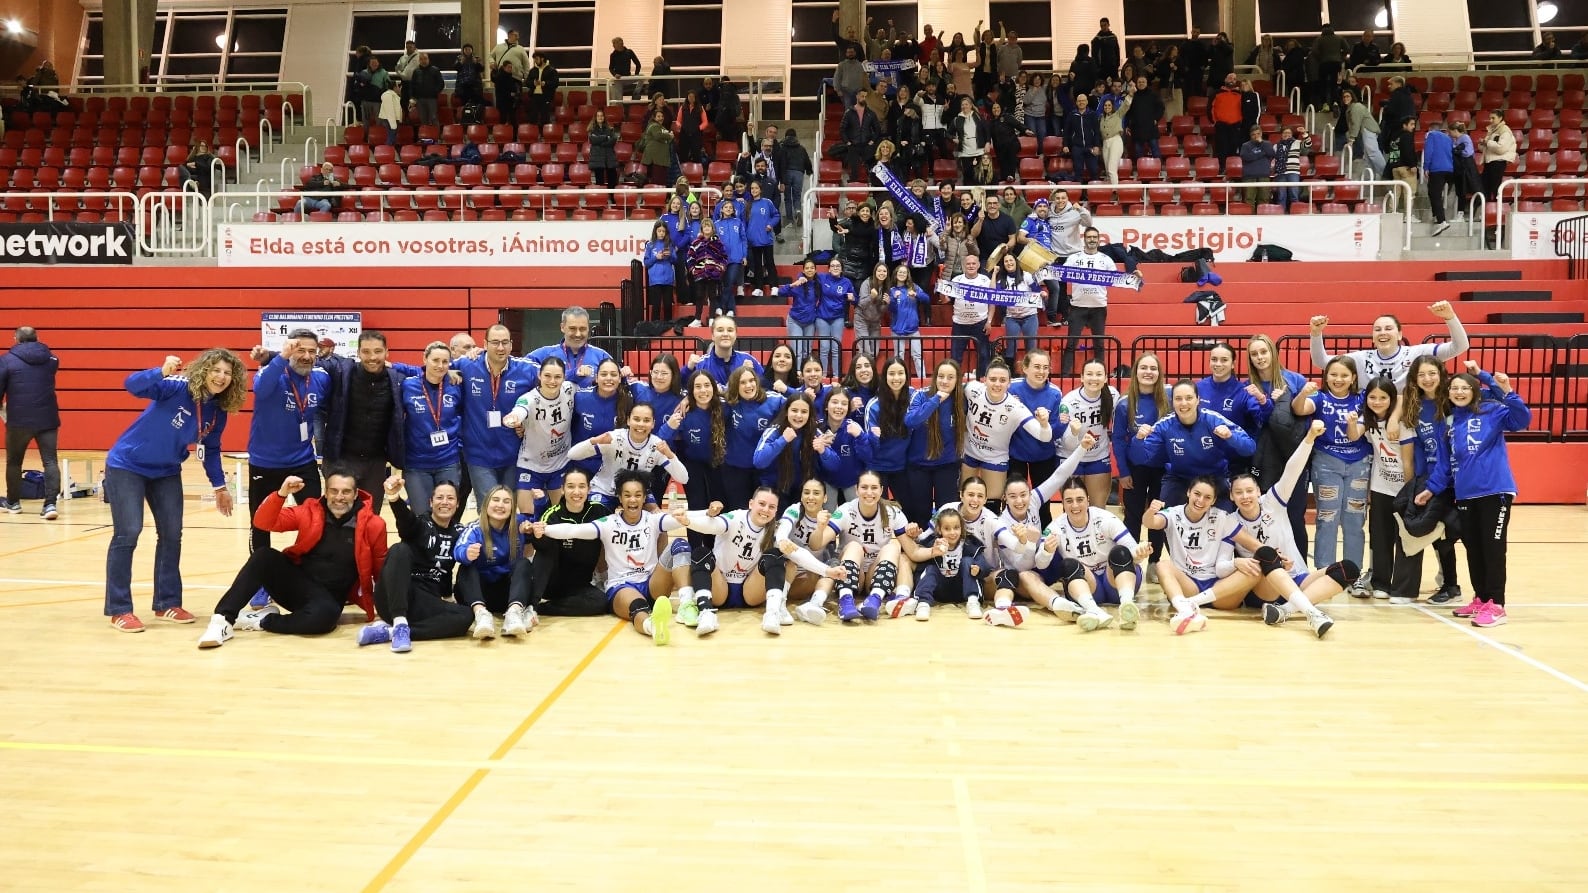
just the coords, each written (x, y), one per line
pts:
(402, 639)
(260, 599)
(377, 633)
(846, 609)
(871, 608)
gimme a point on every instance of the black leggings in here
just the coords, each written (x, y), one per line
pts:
(762, 269)
(915, 502)
(264, 481)
(659, 302)
(738, 485)
(704, 487)
(1484, 522)
(1393, 570)
(937, 484)
(17, 438)
(563, 588)
(315, 609)
(1144, 483)
(399, 594)
(496, 595)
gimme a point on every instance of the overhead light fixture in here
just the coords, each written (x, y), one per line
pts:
(1381, 19)
(1547, 12)
(220, 41)
(14, 26)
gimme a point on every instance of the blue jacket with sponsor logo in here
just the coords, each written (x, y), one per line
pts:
(285, 404)
(483, 394)
(1186, 451)
(572, 360)
(156, 444)
(426, 404)
(1472, 455)
(745, 422)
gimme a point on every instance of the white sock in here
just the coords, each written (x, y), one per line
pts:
(902, 590)
(1182, 605)
(399, 621)
(773, 597)
(1086, 601)
(1126, 593)
(1202, 598)
(1298, 601)
(818, 598)
(646, 626)
(1002, 602)
(481, 615)
(686, 595)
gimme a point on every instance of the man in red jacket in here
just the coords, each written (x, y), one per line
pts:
(340, 549)
(1227, 116)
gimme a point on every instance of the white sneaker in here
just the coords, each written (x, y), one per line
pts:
(484, 627)
(217, 633)
(1129, 615)
(770, 624)
(756, 293)
(1188, 623)
(513, 624)
(1090, 620)
(1275, 613)
(707, 624)
(1441, 228)
(1401, 600)
(1010, 616)
(1066, 609)
(250, 620)
(973, 607)
(923, 611)
(695, 324)
(900, 607)
(1379, 593)
(1320, 622)
(784, 618)
(812, 614)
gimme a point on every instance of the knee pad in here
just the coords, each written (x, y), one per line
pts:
(677, 553)
(1121, 560)
(1268, 560)
(996, 506)
(885, 577)
(700, 572)
(851, 579)
(1006, 580)
(1070, 570)
(774, 568)
(1344, 572)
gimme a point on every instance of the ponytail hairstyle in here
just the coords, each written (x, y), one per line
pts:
(804, 441)
(1373, 421)
(1133, 392)
(551, 361)
(890, 406)
(719, 425)
(934, 431)
(1412, 407)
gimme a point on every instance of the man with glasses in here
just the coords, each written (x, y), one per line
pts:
(492, 382)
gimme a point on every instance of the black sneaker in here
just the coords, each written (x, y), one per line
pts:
(1445, 595)
(49, 513)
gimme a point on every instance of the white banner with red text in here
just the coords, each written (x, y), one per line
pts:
(563, 243)
(1234, 238)
(1533, 233)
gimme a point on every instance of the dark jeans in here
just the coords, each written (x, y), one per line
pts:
(399, 594)
(17, 440)
(497, 594)
(1484, 522)
(933, 588)
(371, 476)
(127, 492)
(1086, 164)
(1438, 182)
(264, 481)
(913, 501)
(1493, 176)
(1144, 483)
(967, 334)
(1092, 319)
(762, 268)
(314, 608)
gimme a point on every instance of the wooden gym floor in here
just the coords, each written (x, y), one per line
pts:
(1406, 752)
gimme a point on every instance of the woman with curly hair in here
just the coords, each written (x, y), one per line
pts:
(145, 466)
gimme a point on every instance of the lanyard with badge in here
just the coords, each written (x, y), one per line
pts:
(493, 416)
(203, 429)
(303, 420)
(438, 437)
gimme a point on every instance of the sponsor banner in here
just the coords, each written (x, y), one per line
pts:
(67, 243)
(1532, 234)
(343, 328)
(1234, 238)
(562, 243)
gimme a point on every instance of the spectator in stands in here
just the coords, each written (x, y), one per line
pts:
(372, 84)
(1167, 72)
(689, 128)
(1036, 109)
(45, 76)
(540, 86)
(1467, 181)
(1083, 73)
(623, 64)
(848, 40)
(1499, 152)
(1400, 160)
(33, 415)
(602, 155)
(761, 223)
(319, 192)
(1365, 53)
(707, 258)
(796, 167)
(469, 82)
(391, 110)
(1146, 110)
(1251, 105)
(407, 63)
(728, 109)
(1005, 132)
(426, 87)
(1083, 137)
(1194, 64)
(1295, 144)
(861, 131)
(656, 150)
(1362, 132)
(199, 168)
(1221, 59)
(659, 274)
(1111, 127)
(1265, 57)
(1225, 112)
(1402, 102)
(1257, 165)
(849, 78)
(1010, 54)
(509, 51)
(993, 229)
(969, 135)
(339, 551)
(986, 71)
(1579, 50)
(1088, 304)
(1105, 50)
(661, 72)
(508, 88)
(1329, 51)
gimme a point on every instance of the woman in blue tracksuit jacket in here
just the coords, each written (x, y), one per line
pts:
(660, 274)
(761, 222)
(1032, 460)
(889, 439)
(145, 466)
(697, 430)
(838, 292)
(1228, 396)
(1143, 404)
(433, 427)
(677, 220)
(786, 452)
(842, 450)
(804, 294)
(749, 412)
(936, 420)
(730, 231)
(597, 409)
(1473, 460)
(1423, 412)
(1191, 442)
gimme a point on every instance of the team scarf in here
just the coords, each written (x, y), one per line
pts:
(901, 193)
(1085, 276)
(890, 66)
(892, 246)
(918, 248)
(982, 294)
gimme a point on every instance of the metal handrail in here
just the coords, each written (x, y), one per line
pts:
(175, 223)
(1515, 186)
(808, 205)
(1477, 206)
(262, 193)
(245, 164)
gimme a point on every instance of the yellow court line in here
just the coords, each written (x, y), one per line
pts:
(423, 835)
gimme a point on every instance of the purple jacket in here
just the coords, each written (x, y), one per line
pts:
(27, 381)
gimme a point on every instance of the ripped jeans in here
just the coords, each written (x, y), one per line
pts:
(1342, 494)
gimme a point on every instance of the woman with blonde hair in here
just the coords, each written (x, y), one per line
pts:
(145, 466)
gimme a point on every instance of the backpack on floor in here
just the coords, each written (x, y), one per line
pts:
(33, 485)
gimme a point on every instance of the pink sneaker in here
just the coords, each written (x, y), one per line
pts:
(1490, 614)
(1470, 608)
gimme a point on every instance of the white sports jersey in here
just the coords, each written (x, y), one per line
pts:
(949, 563)
(1089, 295)
(623, 454)
(739, 549)
(1370, 365)
(871, 533)
(1091, 414)
(984, 528)
(991, 425)
(1197, 547)
(1271, 527)
(632, 551)
(796, 527)
(1091, 543)
(1389, 475)
(1022, 557)
(548, 429)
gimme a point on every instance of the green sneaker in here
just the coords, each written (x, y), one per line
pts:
(662, 621)
(688, 613)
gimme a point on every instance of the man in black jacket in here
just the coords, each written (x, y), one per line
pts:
(1105, 50)
(1194, 56)
(416, 581)
(426, 85)
(862, 131)
(33, 415)
(623, 64)
(541, 88)
(1143, 119)
(1084, 140)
